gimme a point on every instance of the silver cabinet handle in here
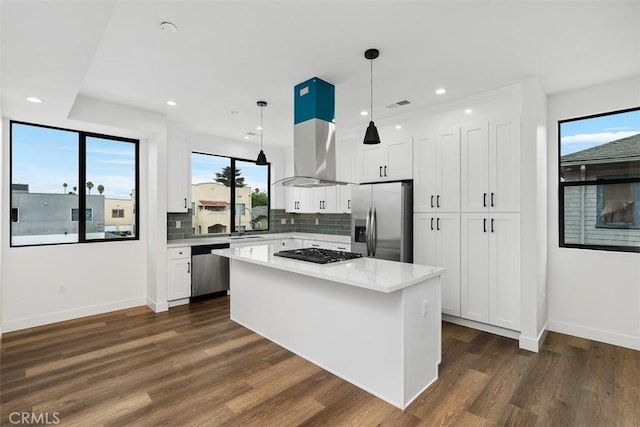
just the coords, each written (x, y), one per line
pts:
(185, 203)
(438, 201)
(432, 223)
(484, 200)
(432, 200)
(380, 173)
(484, 225)
(492, 225)
(189, 267)
(492, 200)
(385, 171)
(438, 224)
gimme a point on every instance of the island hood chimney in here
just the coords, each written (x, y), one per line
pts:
(314, 148)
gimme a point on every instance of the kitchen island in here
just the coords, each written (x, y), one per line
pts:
(374, 323)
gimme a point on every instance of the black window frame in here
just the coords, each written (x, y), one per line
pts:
(232, 196)
(82, 204)
(599, 182)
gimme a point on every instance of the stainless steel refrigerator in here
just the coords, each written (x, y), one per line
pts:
(382, 220)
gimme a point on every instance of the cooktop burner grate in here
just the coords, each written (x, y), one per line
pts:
(317, 255)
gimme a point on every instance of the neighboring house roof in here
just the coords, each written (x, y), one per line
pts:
(259, 211)
(212, 203)
(620, 150)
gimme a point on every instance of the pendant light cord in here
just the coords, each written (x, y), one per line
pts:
(371, 89)
(261, 127)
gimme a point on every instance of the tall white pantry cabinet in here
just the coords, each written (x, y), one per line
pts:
(466, 217)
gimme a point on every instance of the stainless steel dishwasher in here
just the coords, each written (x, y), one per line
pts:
(209, 273)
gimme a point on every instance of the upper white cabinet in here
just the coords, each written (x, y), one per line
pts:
(490, 268)
(324, 199)
(299, 200)
(387, 161)
(178, 169)
(346, 173)
(490, 166)
(436, 184)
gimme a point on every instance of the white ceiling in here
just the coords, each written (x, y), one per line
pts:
(229, 54)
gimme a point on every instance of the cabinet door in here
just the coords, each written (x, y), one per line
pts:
(424, 239)
(345, 166)
(178, 171)
(292, 198)
(373, 159)
(324, 199)
(179, 279)
(399, 162)
(448, 171)
(504, 165)
(504, 270)
(474, 267)
(424, 172)
(305, 201)
(447, 253)
(474, 169)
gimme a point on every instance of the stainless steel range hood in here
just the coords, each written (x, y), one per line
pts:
(314, 148)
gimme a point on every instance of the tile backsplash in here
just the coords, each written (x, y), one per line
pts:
(279, 222)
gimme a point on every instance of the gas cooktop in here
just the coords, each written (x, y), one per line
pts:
(317, 255)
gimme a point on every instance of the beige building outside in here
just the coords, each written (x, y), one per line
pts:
(119, 216)
(211, 206)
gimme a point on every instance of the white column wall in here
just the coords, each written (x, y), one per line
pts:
(592, 294)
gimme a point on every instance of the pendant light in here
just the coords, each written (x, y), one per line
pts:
(371, 136)
(262, 159)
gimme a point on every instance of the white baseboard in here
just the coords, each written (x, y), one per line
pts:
(157, 307)
(482, 326)
(177, 302)
(534, 344)
(621, 340)
(60, 316)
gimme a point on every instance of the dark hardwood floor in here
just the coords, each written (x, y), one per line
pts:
(193, 366)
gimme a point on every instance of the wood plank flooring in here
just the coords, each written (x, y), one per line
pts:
(194, 366)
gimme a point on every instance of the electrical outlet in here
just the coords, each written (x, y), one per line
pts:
(283, 221)
(317, 221)
(293, 221)
(425, 308)
(178, 224)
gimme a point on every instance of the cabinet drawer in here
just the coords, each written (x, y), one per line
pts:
(178, 253)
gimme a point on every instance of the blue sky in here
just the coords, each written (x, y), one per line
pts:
(46, 158)
(205, 166)
(579, 135)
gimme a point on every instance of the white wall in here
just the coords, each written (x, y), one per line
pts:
(592, 294)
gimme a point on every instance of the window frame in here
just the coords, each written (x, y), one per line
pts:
(599, 182)
(232, 195)
(82, 201)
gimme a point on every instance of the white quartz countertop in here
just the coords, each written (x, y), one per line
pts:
(258, 239)
(369, 273)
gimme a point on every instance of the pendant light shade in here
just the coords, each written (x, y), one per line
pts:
(371, 136)
(262, 158)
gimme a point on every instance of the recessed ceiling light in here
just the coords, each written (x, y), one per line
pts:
(234, 112)
(172, 103)
(34, 100)
(258, 127)
(398, 127)
(441, 91)
(246, 137)
(468, 111)
(169, 27)
(364, 113)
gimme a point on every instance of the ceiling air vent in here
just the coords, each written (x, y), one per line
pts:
(398, 104)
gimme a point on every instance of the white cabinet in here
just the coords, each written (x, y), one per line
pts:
(389, 161)
(299, 200)
(436, 184)
(436, 242)
(490, 268)
(178, 170)
(490, 162)
(324, 199)
(345, 166)
(179, 261)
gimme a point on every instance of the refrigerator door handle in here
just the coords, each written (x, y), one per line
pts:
(374, 233)
(367, 232)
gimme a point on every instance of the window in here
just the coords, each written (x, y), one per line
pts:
(231, 195)
(117, 213)
(48, 166)
(75, 214)
(599, 171)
